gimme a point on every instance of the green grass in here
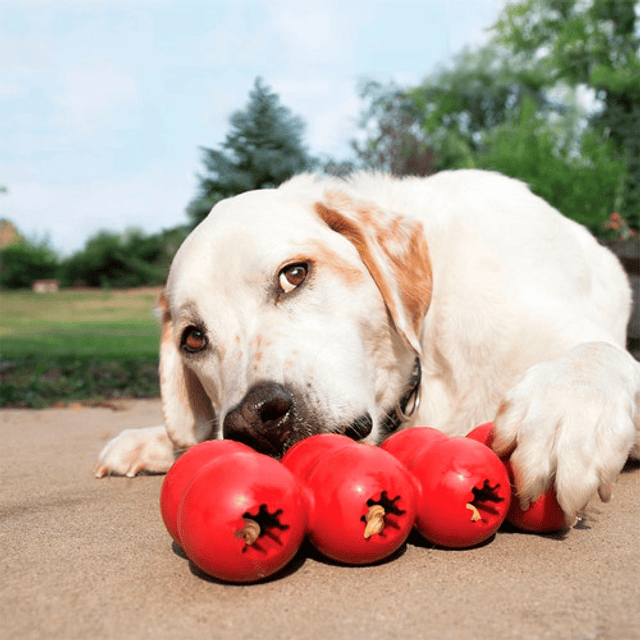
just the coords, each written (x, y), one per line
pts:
(77, 345)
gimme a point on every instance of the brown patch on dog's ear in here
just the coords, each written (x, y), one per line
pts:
(395, 253)
(352, 276)
(188, 414)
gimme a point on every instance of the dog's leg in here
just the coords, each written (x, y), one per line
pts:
(572, 422)
(134, 451)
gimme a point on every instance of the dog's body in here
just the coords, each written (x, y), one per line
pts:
(305, 309)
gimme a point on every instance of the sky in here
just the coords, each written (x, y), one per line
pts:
(105, 104)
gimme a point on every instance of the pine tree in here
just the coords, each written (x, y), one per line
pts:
(263, 148)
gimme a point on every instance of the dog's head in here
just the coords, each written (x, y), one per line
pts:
(286, 315)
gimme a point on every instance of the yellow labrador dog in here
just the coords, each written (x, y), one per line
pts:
(372, 304)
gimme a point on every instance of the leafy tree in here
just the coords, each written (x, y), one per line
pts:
(581, 181)
(465, 101)
(263, 148)
(495, 109)
(110, 259)
(443, 122)
(25, 261)
(594, 44)
(170, 241)
(394, 140)
(337, 168)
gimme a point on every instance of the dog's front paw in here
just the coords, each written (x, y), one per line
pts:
(571, 422)
(134, 451)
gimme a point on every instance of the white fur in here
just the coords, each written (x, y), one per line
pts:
(133, 451)
(526, 324)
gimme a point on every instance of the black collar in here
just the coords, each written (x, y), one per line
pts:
(410, 398)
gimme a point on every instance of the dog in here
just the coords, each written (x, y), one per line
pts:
(373, 303)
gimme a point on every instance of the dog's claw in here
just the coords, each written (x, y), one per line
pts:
(604, 491)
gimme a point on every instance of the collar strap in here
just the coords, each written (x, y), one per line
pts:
(407, 404)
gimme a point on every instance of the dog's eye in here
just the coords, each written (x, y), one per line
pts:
(193, 340)
(292, 276)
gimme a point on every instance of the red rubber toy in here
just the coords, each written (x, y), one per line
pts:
(242, 518)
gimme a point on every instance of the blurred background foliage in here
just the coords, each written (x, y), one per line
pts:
(552, 99)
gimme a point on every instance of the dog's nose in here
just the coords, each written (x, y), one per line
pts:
(263, 420)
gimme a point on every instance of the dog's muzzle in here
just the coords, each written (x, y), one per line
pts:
(264, 420)
(267, 419)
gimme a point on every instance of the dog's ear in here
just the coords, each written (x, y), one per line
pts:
(394, 251)
(188, 414)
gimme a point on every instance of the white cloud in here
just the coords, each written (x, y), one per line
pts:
(81, 5)
(329, 107)
(473, 29)
(312, 34)
(89, 96)
(70, 213)
(97, 135)
(12, 90)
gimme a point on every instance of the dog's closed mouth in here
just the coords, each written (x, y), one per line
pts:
(360, 428)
